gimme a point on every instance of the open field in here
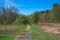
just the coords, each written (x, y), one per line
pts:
(52, 28)
(41, 35)
(37, 32)
(11, 33)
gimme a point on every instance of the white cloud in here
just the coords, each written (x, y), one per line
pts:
(9, 2)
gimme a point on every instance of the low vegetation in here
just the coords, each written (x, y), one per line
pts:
(4, 35)
(7, 36)
(41, 35)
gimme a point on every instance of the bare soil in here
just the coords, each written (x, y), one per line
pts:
(52, 28)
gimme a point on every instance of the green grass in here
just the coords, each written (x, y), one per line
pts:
(7, 37)
(34, 29)
(12, 36)
(42, 35)
(22, 29)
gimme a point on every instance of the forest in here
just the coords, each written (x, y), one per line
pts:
(11, 15)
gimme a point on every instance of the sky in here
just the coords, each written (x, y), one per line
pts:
(27, 7)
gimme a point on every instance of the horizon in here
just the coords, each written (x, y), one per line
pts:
(27, 7)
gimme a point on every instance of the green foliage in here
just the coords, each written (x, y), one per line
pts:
(35, 17)
(48, 16)
(10, 16)
(17, 21)
(22, 19)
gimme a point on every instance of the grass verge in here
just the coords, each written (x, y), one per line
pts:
(42, 35)
(20, 30)
(7, 37)
(12, 36)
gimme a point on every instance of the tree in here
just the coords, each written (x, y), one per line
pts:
(22, 19)
(35, 17)
(8, 14)
(56, 11)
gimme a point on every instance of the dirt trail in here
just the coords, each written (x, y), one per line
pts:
(23, 36)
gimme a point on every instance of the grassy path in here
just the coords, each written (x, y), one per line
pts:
(40, 35)
(24, 31)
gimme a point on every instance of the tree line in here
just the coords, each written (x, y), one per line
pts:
(10, 15)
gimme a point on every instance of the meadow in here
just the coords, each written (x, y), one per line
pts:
(41, 35)
(10, 33)
(37, 34)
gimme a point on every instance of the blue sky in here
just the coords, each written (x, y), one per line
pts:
(27, 7)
